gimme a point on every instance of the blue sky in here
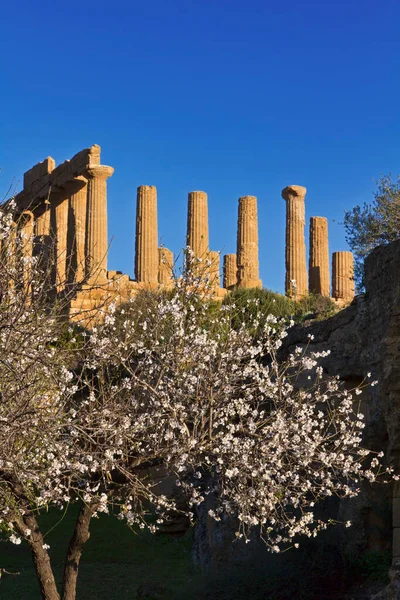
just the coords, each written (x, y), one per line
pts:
(231, 97)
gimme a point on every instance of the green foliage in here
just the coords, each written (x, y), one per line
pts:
(372, 225)
(272, 303)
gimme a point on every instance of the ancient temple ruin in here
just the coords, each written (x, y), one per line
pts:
(65, 208)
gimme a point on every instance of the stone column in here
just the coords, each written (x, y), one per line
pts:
(296, 268)
(165, 266)
(247, 244)
(78, 203)
(96, 245)
(318, 267)
(197, 224)
(61, 223)
(343, 276)
(26, 241)
(215, 259)
(230, 271)
(146, 255)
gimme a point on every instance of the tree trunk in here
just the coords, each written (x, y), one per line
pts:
(80, 536)
(41, 557)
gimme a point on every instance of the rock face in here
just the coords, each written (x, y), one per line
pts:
(362, 338)
(343, 276)
(230, 271)
(296, 268)
(146, 255)
(247, 244)
(318, 266)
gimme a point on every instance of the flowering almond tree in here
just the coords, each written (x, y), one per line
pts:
(165, 380)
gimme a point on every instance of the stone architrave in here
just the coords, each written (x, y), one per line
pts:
(343, 276)
(214, 268)
(96, 246)
(296, 267)
(165, 266)
(318, 267)
(61, 224)
(230, 271)
(247, 244)
(146, 246)
(78, 205)
(197, 224)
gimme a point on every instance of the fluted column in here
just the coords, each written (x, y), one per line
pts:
(214, 269)
(96, 244)
(230, 271)
(78, 222)
(197, 224)
(165, 266)
(318, 267)
(296, 268)
(61, 222)
(27, 230)
(146, 255)
(247, 244)
(343, 276)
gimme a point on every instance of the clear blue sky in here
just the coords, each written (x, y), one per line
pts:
(232, 97)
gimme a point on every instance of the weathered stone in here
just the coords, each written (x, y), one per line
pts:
(214, 269)
(230, 271)
(43, 179)
(165, 266)
(146, 256)
(296, 268)
(197, 224)
(343, 276)
(247, 244)
(38, 171)
(61, 232)
(27, 231)
(77, 232)
(318, 268)
(96, 223)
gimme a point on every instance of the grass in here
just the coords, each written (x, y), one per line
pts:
(119, 565)
(116, 563)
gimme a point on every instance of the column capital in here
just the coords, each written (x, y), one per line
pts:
(296, 191)
(102, 172)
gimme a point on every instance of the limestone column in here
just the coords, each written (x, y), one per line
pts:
(214, 269)
(165, 266)
(96, 243)
(146, 255)
(343, 276)
(61, 223)
(197, 224)
(26, 245)
(78, 203)
(296, 268)
(318, 267)
(230, 271)
(247, 244)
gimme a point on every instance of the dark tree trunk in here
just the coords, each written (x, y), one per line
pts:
(40, 556)
(80, 536)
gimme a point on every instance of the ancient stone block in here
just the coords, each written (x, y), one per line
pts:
(214, 269)
(318, 267)
(230, 271)
(343, 276)
(165, 266)
(146, 256)
(247, 244)
(77, 235)
(296, 268)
